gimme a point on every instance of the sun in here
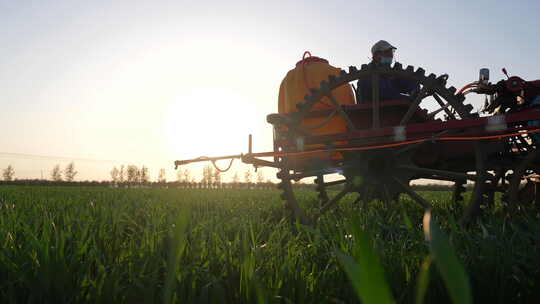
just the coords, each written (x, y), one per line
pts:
(207, 121)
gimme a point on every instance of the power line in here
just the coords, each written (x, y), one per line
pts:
(53, 157)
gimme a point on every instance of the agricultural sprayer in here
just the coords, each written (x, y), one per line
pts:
(378, 147)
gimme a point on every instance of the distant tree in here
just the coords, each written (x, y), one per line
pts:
(56, 174)
(70, 172)
(248, 176)
(8, 173)
(132, 174)
(260, 177)
(216, 176)
(162, 178)
(183, 176)
(235, 178)
(187, 175)
(144, 177)
(114, 174)
(121, 174)
(207, 176)
(137, 175)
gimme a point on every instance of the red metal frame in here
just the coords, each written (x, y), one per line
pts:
(419, 130)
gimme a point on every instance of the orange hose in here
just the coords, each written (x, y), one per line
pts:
(472, 84)
(468, 91)
(447, 138)
(283, 154)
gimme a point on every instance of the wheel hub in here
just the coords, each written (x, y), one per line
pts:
(375, 174)
(380, 167)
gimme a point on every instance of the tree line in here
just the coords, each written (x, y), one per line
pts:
(134, 176)
(57, 174)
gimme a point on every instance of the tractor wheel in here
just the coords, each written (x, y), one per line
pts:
(325, 200)
(524, 183)
(382, 175)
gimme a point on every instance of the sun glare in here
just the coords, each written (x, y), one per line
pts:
(207, 121)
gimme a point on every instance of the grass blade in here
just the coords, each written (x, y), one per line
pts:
(423, 280)
(447, 262)
(177, 247)
(366, 273)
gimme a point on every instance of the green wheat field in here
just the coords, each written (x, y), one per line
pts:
(106, 245)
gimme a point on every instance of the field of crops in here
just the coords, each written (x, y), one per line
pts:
(105, 245)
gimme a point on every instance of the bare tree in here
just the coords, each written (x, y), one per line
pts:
(132, 174)
(144, 177)
(162, 178)
(187, 176)
(216, 176)
(248, 176)
(56, 174)
(70, 172)
(114, 174)
(235, 178)
(121, 174)
(260, 176)
(8, 173)
(207, 177)
(137, 175)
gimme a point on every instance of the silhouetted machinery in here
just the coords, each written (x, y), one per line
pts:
(379, 147)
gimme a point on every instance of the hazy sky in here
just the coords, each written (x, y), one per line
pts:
(148, 82)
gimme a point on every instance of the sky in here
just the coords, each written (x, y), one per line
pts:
(104, 83)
